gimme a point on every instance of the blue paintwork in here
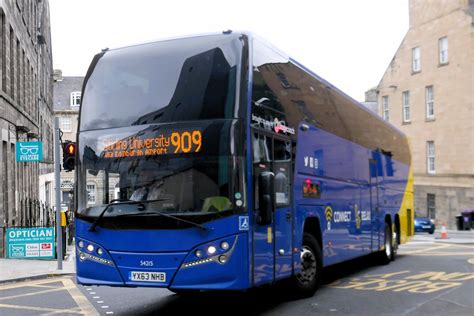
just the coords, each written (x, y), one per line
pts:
(345, 178)
(344, 175)
(169, 251)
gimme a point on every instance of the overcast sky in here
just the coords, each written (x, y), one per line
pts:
(349, 43)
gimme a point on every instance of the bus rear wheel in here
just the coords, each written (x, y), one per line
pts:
(307, 280)
(386, 254)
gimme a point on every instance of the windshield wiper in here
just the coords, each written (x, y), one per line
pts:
(202, 227)
(141, 207)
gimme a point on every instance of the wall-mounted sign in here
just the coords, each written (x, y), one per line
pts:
(30, 243)
(29, 151)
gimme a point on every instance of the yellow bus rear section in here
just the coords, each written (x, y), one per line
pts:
(407, 211)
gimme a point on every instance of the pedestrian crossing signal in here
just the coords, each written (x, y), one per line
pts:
(69, 156)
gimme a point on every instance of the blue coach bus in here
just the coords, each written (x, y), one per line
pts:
(217, 162)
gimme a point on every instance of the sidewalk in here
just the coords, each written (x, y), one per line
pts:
(453, 237)
(22, 269)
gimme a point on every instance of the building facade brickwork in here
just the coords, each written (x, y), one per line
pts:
(25, 110)
(427, 91)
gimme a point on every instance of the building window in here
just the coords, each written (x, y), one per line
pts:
(430, 201)
(406, 106)
(429, 96)
(76, 98)
(443, 50)
(430, 157)
(416, 59)
(65, 124)
(385, 109)
(91, 194)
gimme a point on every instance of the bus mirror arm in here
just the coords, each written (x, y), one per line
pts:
(266, 197)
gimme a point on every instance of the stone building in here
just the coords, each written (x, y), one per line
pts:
(67, 100)
(25, 111)
(427, 91)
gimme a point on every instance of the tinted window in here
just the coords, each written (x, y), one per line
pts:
(282, 90)
(169, 81)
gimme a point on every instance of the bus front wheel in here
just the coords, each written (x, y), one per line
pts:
(307, 280)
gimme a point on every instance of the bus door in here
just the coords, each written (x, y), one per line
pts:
(272, 236)
(374, 205)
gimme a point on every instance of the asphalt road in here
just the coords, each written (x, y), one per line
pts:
(426, 278)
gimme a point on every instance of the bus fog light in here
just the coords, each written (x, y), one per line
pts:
(80, 244)
(90, 248)
(211, 250)
(198, 253)
(222, 258)
(82, 256)
(224, 245)
(100, 252)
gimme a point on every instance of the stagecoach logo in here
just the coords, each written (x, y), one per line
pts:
(328, 213)
(277, 125)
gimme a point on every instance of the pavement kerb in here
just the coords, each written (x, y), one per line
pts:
(37, 277)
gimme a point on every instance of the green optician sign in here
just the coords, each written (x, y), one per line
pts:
(30, 243)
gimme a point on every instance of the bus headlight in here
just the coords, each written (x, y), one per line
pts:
(211, 250)
(100, 252)
(224, 245)
(218, 254)
(90, 248)
(80, 244)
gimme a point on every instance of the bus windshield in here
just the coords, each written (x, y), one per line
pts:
(159, 122)
(169, 81)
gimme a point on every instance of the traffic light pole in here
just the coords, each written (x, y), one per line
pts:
(57, 190)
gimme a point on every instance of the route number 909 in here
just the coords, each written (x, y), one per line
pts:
(186, 142)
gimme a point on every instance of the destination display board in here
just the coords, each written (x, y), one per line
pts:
(175, 142)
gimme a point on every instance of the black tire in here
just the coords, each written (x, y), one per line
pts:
(385, 255)
(395, 238)
(307, 281)
(431, 232)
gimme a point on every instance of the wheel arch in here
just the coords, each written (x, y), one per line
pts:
(312, 225)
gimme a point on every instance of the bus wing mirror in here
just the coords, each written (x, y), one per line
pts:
(266, 197)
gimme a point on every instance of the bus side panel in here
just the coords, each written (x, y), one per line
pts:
(325, 167)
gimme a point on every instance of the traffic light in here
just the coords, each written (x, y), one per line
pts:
(69, 156)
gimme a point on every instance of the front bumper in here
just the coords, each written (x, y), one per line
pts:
(223, 269)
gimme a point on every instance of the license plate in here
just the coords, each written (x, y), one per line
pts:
(425, 226)
(142, 276)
